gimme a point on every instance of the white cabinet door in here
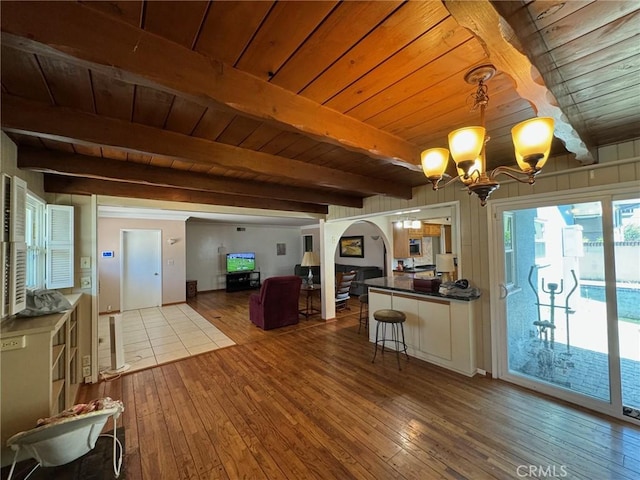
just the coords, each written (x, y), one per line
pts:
(408, 305)
(435, 328)
(378, 300)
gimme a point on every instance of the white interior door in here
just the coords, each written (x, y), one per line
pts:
(140, 267)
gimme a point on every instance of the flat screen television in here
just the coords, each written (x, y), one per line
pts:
(241, 262)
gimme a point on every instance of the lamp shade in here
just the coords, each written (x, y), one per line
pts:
(532, 141)
(434, 162)
(466, 143)
(445, 262)
(310, 259)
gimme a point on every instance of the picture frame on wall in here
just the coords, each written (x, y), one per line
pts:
(352, 246)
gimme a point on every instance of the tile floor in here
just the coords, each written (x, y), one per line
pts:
(153, 336)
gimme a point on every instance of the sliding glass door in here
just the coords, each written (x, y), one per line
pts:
(568, 310)
(626, 216)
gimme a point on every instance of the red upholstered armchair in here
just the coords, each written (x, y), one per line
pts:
(277, 303)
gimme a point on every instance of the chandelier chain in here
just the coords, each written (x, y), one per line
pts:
(480, 97)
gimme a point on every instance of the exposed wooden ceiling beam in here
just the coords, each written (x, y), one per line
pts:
(530, 40)
(482, 19)
(74, 126)
(63, 163)
(100, 42)
(90, 186)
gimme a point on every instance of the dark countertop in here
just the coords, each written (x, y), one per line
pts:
(405, 284)
(417, 269)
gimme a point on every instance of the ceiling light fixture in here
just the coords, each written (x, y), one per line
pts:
(410, 223)
(531, 138)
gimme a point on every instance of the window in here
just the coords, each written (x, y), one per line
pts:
(540, 245)
(34, 236)
(509, 249)
(49, 243)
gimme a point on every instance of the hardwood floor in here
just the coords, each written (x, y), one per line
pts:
(306, 402)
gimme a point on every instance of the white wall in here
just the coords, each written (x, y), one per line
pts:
(206, 239)
(173, 259)
(373, 249)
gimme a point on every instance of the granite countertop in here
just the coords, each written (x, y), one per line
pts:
(417, 269)
(405, 284)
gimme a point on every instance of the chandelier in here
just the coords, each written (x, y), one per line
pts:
(531, 139)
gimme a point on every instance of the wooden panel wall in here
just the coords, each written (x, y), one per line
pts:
(560, 174)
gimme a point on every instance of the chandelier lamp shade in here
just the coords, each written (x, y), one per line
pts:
(531, 139)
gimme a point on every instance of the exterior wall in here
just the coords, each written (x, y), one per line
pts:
(627, 262)
(618, 163)
(173, 259)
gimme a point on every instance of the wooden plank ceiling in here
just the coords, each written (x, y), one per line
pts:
(299, 105)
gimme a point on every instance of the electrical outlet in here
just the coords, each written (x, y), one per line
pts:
(87, 379)
(86, 361)
(86, 371)
(13, 343)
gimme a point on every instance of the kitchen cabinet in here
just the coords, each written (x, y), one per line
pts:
(404, 237)
(400, 242)
(406, 245)
(431, 229)
(438, 330)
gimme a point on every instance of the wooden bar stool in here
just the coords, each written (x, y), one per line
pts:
(395, 319)
(364, 300)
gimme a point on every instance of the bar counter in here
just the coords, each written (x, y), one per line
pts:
(439, 329)
(405, 284)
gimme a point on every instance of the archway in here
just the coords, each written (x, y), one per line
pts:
(376, 233)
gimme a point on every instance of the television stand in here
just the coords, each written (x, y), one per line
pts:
(243, 281)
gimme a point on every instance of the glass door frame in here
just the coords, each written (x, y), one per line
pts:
(498, 293)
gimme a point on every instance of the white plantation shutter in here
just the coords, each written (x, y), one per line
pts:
(59, 246)
(17, 287)
(18, 209)
(6, 278)
(13, 193)
(5, 200)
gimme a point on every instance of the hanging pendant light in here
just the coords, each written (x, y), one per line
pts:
(531, 139)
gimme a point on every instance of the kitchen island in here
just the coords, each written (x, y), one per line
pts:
(439, 329)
